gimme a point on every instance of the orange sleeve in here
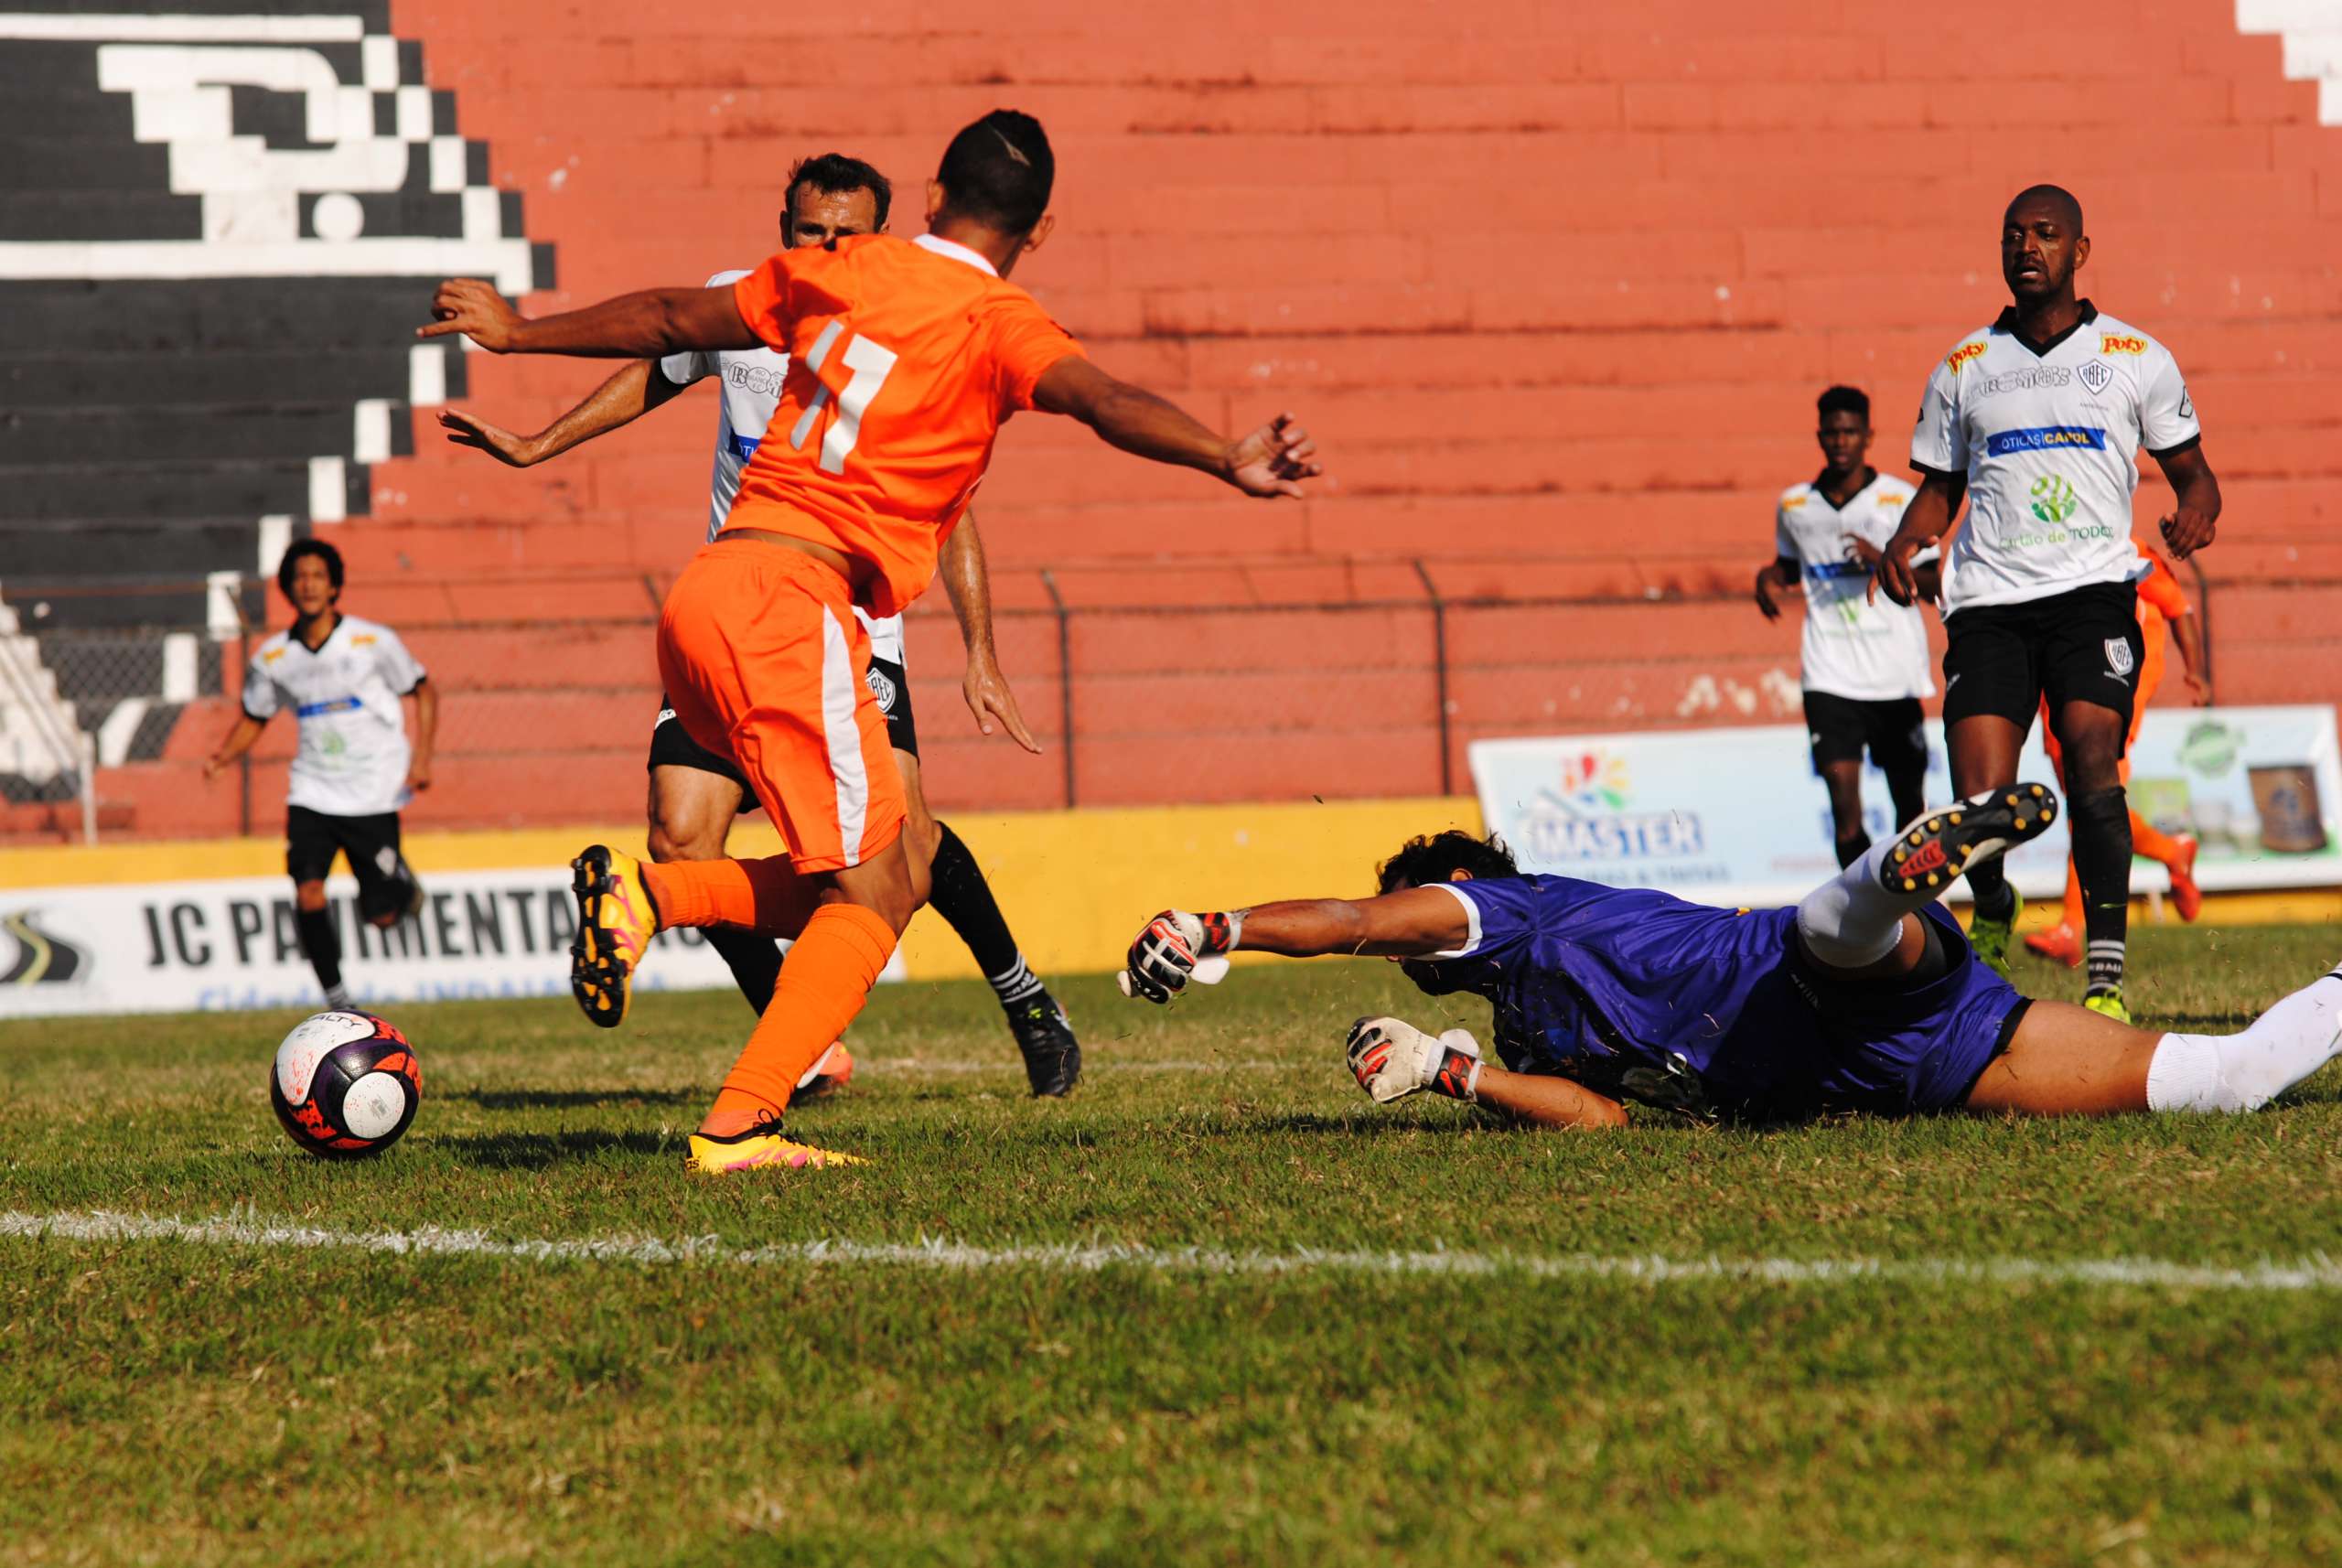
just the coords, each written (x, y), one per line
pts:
(764, 301)
(2161, 590)
(1025, 344)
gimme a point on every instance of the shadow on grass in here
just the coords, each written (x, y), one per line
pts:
(538, 1151)
(570, 1098)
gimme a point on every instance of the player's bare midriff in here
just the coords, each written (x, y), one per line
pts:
(855, 572)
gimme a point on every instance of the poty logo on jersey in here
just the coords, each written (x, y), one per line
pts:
(2044, 438)
(2120, 343)
(1962, 354)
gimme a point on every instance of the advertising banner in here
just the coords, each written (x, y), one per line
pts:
(1737, 816)
(185, 946)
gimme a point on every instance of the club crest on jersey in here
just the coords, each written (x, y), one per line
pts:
(881, 688)
(2118, 657)
(2096, 374)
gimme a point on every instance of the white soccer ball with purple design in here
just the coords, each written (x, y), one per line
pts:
(345, 1084)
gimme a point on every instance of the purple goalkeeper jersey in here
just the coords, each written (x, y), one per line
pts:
(1643, 995)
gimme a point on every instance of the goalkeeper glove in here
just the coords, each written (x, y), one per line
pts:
(1391, 1059)
(1176, 947)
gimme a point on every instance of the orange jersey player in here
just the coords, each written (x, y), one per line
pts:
(905, 358)
(2162, 603)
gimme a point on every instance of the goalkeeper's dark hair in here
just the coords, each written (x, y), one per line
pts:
(834, 174)
(1845, 399)
(299, 551)
(999, 171)
(1437, 858)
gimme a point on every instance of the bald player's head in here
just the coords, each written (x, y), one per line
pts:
(2042, 243)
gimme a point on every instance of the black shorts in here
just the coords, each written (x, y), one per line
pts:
(2081, 646)
(1893, 729)
(386, 883)
(673, 746)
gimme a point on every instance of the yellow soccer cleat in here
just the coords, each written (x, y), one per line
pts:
(615, 920)
(2108, 1002)
(763, 1145)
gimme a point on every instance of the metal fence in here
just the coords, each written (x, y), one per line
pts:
(1136, 702)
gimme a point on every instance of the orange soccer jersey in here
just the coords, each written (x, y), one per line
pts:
(905, 356)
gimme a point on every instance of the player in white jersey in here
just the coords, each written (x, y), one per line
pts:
(694, 794)
(2037, 422)
(342, 679)
(1865, 663)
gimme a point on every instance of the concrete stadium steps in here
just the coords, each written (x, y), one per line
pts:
(1555, 291)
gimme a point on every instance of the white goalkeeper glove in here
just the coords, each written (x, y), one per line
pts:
(1178, 947)
(1391, 1058)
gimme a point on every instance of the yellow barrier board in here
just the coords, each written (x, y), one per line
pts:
(1075, 885)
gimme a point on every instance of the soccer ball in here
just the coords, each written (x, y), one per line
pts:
(345, 1084)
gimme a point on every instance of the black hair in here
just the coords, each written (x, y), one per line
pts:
(1845, 399)
(2065, 201)
(1423, 861)
(999, 171)
(299, 550)
(834, 174)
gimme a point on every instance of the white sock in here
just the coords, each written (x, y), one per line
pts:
(2245, 1071)
(1852, 921)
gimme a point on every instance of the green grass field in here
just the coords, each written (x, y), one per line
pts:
(1258, 1401)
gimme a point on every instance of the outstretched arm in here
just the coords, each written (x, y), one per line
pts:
(645, 326)
(1415, 922)
(426, 734)
(1925, 521)
(2192, 522)
(622, 399)
(1269, 462)
(961, 568)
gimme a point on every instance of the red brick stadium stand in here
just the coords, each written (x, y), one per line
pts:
(1556, 295)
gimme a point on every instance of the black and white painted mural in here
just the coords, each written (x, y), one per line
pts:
(218, 222)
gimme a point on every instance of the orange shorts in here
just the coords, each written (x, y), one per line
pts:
(765, 662)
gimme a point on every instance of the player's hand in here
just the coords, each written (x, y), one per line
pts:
(470, 430)
(991, 701)
(1391, 1058)
(212, 765)
(1273, 460)
(2199, 693)
(1895, 574)
(472, 306)
(418, 775)
(2185, 531)
(1862, 552)
(1178, 947)
(1764, 594)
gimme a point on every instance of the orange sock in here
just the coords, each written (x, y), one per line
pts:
(2073, 896)
(763, 895)
(2153, 841)
(823, 982)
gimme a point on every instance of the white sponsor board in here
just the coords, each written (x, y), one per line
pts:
(1737, 816)
(189, 946)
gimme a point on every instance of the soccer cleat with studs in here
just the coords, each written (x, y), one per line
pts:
(764, 1143)
(615, 920)
(2106, 1001)
(1936, 849)
(1044, 1037)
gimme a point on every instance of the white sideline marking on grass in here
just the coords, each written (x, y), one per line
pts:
(2315, 1274)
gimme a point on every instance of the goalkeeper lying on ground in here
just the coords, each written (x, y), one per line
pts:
(1865, 997)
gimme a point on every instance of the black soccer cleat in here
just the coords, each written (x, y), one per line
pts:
(1935, 850)
(1044, 1035)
